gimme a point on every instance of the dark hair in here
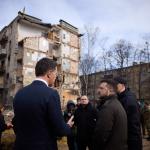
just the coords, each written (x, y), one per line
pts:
(111, 84)
(120, 80)
(44, 65)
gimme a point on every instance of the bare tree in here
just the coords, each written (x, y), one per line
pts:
(87, 66)
(90, 38)
(88, 62)
(142, 55)
(106, 59)
(121, 52)
(143, 51)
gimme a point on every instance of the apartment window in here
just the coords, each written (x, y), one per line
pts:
(7, 76)
(44, 34)
(3, 45)
(10, 47)
(9, 58)
(54, 58)
(2, 63)
(19, 62)
(64, 36)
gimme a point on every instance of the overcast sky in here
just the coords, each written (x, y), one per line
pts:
(129, 19)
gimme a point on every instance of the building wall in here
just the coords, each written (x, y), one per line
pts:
(26, 29)
(34, 49)
(137, 76)
(70, 64)
(9, 61)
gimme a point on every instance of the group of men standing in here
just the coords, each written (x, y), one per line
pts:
(38, 120)
(114, 125)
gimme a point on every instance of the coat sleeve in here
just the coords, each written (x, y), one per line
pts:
(55, 115)
(103, 127)
(3, 126)
(133, 114)
(75, 117)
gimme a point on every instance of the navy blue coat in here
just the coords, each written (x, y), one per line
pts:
(38, 118)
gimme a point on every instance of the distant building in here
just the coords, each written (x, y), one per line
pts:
(26, 40)
(137, 76)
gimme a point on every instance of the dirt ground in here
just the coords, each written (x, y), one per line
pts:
(8, 140)
(146, 144)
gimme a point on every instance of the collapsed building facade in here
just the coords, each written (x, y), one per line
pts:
(26, 40)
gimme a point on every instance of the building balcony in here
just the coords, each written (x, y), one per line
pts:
(20, 55)
(3, 53)
(1, 86)
(2, 70)
(57, 39)
(4, 39)
(56, 45)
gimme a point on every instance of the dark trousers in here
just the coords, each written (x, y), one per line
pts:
(84, 145)
(0, 136)
(135, 145)
(143, 124)
(71, 141)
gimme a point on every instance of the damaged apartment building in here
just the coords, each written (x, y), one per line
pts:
(26, 40)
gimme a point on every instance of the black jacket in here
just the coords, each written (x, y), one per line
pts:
(3, 126)
(111, 127)
(38, 118)
(129, 102)
(85, 120)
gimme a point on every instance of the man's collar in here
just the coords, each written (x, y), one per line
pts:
(39, 79)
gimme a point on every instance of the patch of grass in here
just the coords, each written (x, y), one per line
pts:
(7, 141)
(8, 138)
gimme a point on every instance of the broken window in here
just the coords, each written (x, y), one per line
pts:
(7, 79)
(64, 36)
(3, 45)
(19, 63)
(54, 58)
(3, 41)
(9, 60)
(44, 34)
(57, 82)
(7, 76)
(19, 79)
(2, 63)
(9, 47)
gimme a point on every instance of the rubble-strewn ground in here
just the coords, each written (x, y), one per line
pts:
(146, 144)
(8, 140)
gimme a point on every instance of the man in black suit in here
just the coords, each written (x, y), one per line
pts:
(85, 120)
(131, 106)
(38, 118)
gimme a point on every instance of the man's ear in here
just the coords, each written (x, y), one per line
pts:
(48, 76)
